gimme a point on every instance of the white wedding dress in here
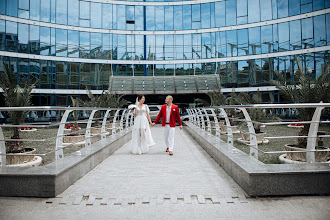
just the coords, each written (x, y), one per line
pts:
(141, 134)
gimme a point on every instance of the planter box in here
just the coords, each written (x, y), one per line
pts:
(246, 137)
(321, 156)
(73, 139)
(12, 159)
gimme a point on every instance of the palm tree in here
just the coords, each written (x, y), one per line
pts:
(16, 96)
(306, 88)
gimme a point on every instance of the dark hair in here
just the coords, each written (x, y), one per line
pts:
(140, 96)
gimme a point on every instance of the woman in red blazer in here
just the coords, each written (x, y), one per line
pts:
(170, 113)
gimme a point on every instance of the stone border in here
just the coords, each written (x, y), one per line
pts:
(259, 179)
(54, 178)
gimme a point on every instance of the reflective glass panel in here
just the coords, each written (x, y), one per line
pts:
(23, 39)
(61, 42)
(266, 39)
(266, 10)
(61, 75)
(121, 18)
(254, 40)
(319, 31)
(61, 11)
(206, 46)
(231, 43)
(255, 72)
(2, 35)
(220, 14)
(253, 11)
(318, 4)
(206, 13)
(187, 17)
(242, 11)
(242, 42)
(283, 36)
(96, 76)
(282, 10)
(12, 6)
(107, 16)
(231, 12)
(307, 33)
(73, 12)
(45, 41)
(178, 17)
(243, 73)
(34, 43)
(3, 7)
(328, 29)
(84, 15)
(35, 10)
(159, 12)
(45, 10)
(23, 9)
(169, 20)
(295, 35)
(84, 44)
(150, 18)
(232, 74)
(85, 75)
(73, 43)
(96, 45)
(294, 7)
(169, 47)
(11, 36)
(73, 75)
(96, 15)
(139, 18)
(188, 50)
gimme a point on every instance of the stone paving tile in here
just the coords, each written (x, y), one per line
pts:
(188, 185)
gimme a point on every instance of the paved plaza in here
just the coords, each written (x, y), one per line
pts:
(188, 185)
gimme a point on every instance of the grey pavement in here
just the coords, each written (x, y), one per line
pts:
(188, 185)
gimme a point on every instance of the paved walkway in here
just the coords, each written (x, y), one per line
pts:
(188, 185)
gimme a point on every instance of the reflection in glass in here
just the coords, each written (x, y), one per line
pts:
(61, 11)
(73, 43)
(178, 17)
(2, 35)
(283, 36)
(295, 35)
(159, 12)
(44, 41)
(230, 12)
(61, 75)
(266, 39)
(243, 74)
(45, 10)
(150, 18)
(84, 44)
(253, 11)
(220, 15)
(282, 10)
(35, 10)
(73, 12)
(231, 43)
(23, 70)
(61, 42)
(96, 76)
(23, 40)
(266, 10)
(84, 16)
(242, 11)
(85, 75)
(242, 42)
(34, 43)
(187, 17)
(96, 45)
(12, 6)
(11, 36)
(169, 20)
(294, 7)
(319, 31)
(107, 16)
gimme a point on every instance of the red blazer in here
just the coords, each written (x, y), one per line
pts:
(174, 115)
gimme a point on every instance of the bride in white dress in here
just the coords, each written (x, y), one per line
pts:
(141, 134)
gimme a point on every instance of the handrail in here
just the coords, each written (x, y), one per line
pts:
(197, 116)
(125, 122)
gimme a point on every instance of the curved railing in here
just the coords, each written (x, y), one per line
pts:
(113, 119)
(203, 118)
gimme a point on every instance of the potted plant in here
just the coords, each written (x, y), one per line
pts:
(105, 100)
(17, 95)
(74, 136)
(306, 88)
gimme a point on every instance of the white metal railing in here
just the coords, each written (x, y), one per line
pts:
(198, 116)
(124, 116)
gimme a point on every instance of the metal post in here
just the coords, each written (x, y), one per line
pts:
(103, 130)
(114, 122)
(312, 134)
(202, 118)
(217, 127)
(229, 130)
(122, 120)
(197, 118)
(127, 119)
(2, 150)
(59, 140)
(208, 121)
(253, 137)
(88, 140)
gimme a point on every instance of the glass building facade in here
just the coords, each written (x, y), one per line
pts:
(70, 44)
